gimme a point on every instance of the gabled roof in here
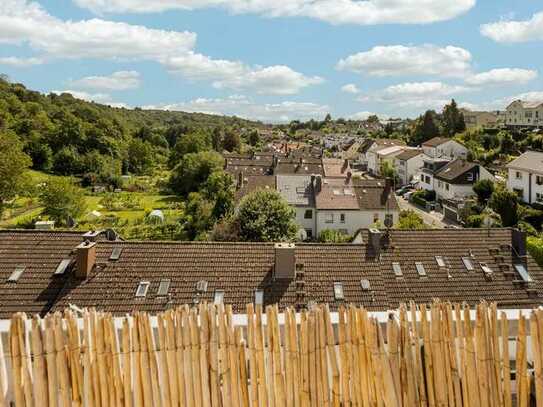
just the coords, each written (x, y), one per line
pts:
(389, 151)
(409, 154)
(527, 104)
(253, 182)
(296, 190)
(299, 166)
(529, 161)
(335, 167)
(336, 194)
(455, 170)
(436, 141)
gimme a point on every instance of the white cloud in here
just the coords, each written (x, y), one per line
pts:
(102, 98)
(20, 62)
(245, 107)
(121, 80)
(515, 31)
(350, 88)
(365, 115)
(502, 76)
(363, 12)
(400, 60)
(101, 39)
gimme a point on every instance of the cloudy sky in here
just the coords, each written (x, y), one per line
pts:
(278, 60)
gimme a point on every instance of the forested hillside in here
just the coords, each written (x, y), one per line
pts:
(68, 136)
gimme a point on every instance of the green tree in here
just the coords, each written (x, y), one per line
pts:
(507, 144)
(505, 204)
(194, 142)
(425, 128)
(62, 200)
(219, 188)
(409, 220)
(199, 217)
(453, 119)
(231, 141)
(264, 216)
(13, 164)
(140, 157)
(67, 161)
(484, 189)
(41, 154)
(193, 171)
(254, 138)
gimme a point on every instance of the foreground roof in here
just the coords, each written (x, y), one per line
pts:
(239, 269)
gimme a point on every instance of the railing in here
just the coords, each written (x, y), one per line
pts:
(444, 355)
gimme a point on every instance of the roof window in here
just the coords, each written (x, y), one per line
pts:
(219, 297)
(201, 286)
(440, 261)
(142, 289)
(486, 269)
(468, 264)
(63, 265)
(365, 284)
(521, 269)
(14, 277)
(116, 253)
(163, 287)
(259, 297)
(420, 269)
(338, 291)
(397, 269)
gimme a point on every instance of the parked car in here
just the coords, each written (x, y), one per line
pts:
(402, 190)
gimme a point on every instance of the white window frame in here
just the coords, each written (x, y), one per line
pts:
(440, 260)
(468, 263)
(328, 218)
(142, 286)
(339, 293)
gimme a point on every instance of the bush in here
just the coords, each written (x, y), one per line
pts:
(120, 201)
(418, 198)
(62, 200)
(535, 248)
(334, 236)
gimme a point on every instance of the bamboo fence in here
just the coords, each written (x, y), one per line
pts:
(422, 356)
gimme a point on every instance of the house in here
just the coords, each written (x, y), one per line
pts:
(407, 165)
(368, 146)
(350, 205)
(298, 166)
(475, 119)
(524, 114)
(378, 156)
(443, 147)
(455, 180)
(298, 192)
(336, 168)
(525, 177)
(430, 166)
(379, 271)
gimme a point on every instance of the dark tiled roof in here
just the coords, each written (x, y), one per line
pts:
(408, 154)
(436, 141)
(335, 167)
(286, 166)
(40, 252)
(374, 194)
(455, 171)
(253, 182)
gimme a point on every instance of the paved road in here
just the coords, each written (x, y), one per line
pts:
(433, 219)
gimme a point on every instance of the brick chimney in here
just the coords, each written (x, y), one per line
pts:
(374, 241)
(389, 185)
(318, 184)
(85, 259)
(285, 261)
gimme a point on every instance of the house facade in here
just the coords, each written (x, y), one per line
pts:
(455, 180)
(407, 165)
(524, 114)
(525, 177)
(475, 119)
(443, 147)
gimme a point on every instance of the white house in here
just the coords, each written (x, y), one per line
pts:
(408, 164)
(379, 155)
(298, 192)
(443, 147)
(430, 166)
(455, 180)
(369, 146)
(524, 114)
(525, 177)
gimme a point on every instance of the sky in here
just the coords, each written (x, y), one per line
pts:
(278, 60)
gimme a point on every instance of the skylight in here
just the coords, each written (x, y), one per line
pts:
(201, 286)
(142, 289)
(440, 261)
(397, 269)
(420, 269)
(63, 265)
(365, 284)
(219, 297)
(163, 287)
(338, 291)
(116, 253)
(521, 269)
(14, 277)
(259, 297)
(468, 264)
(486, 268)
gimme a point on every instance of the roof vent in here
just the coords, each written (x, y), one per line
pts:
(285, 260)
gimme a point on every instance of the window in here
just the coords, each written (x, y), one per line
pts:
(397, 269)
(14, 277)
(539, 180)
(309, 233)
(116, 253)
(329, 218)
(338, 291)
(470, 177)
(486, 269)
(539, 197)
(143, 286)
(61, 268)
(308, 214)
(389, 220)
(440, 184)
(201, 286)
(219, 297)
(163, 288)
(342, 218)
(365, 284)
(467, 263)
(518, 175)
(420, 269)
(521, 269)
(375, 217)
(259, 297)
(440, 261)
(447, 187)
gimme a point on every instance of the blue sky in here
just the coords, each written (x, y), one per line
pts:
(278, 60)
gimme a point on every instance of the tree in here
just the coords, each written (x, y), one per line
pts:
(409, 219)
(195, 142)
(41, 155)
(62, 200)
(140, 158)
(219, 188)
(453, 119)
(193, 171)
(231, 141)
(333, 236)
(505, 204)
(254, 138)
(507, 144)
(264, 216)
(425, 128)
(67, 161)
(13, 164)
(484, 189)
(198, 216)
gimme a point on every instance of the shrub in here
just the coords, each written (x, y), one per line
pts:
(334, 236)
(535, 248)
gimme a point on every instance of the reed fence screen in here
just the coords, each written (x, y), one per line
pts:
(440, 355)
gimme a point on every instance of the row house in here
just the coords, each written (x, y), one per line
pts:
(525, 177)
(524, 114)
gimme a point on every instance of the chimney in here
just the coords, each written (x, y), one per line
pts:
(519, 243)
(345, 165)
(375, 241)
(285, 261)
(389, 184)
(92, 235)
(349, 175)
(240, 180)
(85, 259)
(318, 183)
